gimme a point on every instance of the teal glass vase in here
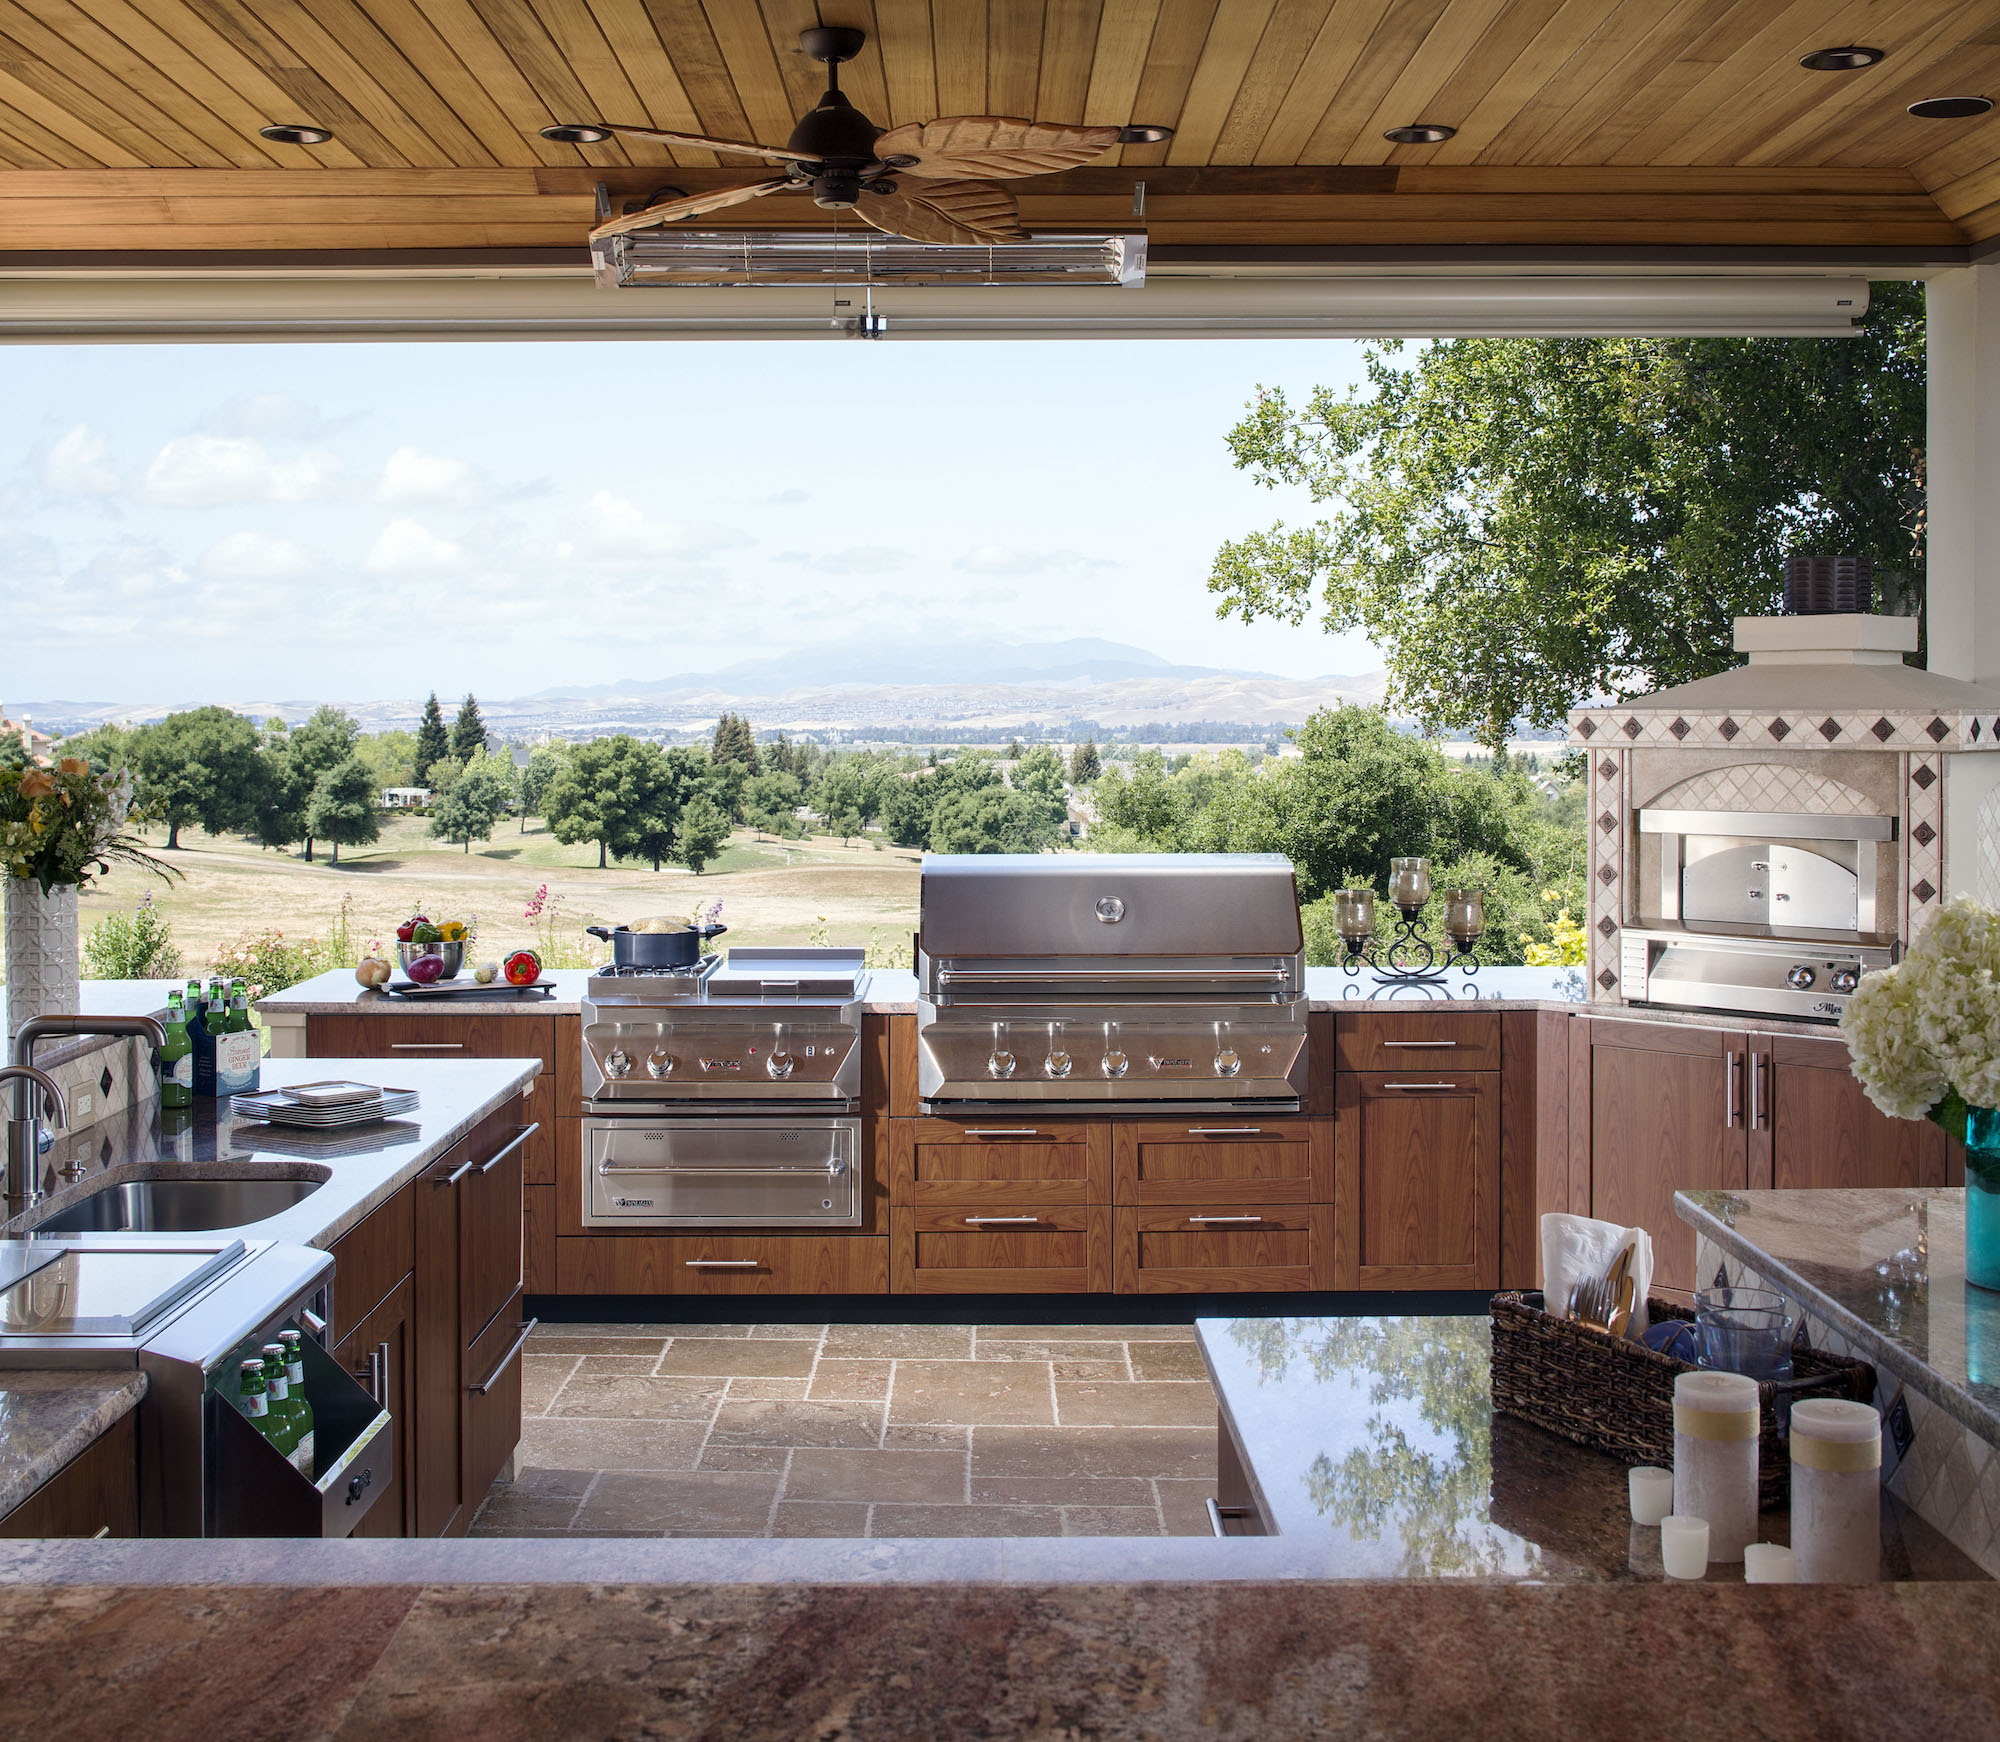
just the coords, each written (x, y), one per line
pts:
(1982, 1196)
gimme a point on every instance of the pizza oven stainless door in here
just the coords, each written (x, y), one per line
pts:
(1778, 874)
(748, 1172)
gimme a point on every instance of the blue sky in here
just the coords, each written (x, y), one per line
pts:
(362, 521)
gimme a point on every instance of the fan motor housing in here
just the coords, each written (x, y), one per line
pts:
(836, 130)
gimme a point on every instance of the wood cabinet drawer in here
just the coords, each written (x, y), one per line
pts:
(370, 1259)
(490, 1209)
(1175, 1161)
(490, 1408)
(1417, 1040)
(1005, 1161)
(978, 1249)
(1222, 1247)
(723, 1264)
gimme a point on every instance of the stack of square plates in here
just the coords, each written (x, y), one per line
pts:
(325, 1106)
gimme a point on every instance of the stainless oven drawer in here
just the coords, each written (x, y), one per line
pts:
(721, 1173)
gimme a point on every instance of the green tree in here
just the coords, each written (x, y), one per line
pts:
(989, 819)
(312, 752)
(343, 807)
(478, 799)
(468, 731)
(1520, 524)
(391, 756)
(203, 766)
(702, 829)
(771, 802)
(1084, 763)
(663, 783)
(734, 742)
(543, 761)
(622, 793)
(433, 741)
(1038, 777)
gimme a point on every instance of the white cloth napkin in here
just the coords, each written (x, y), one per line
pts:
(1577, 1246)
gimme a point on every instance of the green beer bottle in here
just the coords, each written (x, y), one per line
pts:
(255, 1400)
(296, 1399)
(176, 1058)
(279, 1427)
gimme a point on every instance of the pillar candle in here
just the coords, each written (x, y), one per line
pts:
(1836, 1491)
(1715, 1458)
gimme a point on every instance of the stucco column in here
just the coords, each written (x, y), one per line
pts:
(1963, 472)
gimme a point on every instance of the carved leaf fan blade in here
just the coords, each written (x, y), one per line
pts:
(965, 213)
(992, 145)
(777, 154)
(691, 207)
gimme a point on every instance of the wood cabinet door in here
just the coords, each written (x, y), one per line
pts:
(437, 1353)
(1668, 1113)
(1190, 1161)
(1004, 1162)
(1418, 1180)
(968, 1249)
(1221, 1248)
(1820, 1132)
(490, 1208)
(377, 1352)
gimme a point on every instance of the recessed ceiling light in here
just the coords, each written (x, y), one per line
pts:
(294, 133)
(1850, 59)
(1419, 133)
(577, 133)
(1950, 108)
(1144, 135)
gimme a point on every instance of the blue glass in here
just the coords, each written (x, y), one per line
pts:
(1982, 1196)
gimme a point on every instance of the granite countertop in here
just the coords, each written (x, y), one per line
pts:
(361, 1167)
(1885, 1267)
(1374, 1442)
(49, 1417)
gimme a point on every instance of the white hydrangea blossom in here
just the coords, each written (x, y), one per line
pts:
(1932, 1023)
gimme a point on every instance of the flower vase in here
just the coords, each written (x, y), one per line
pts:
(41, 950)
(1982, 1196)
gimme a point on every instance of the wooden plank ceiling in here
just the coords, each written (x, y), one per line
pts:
(131, 126)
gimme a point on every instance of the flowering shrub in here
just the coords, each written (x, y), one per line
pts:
(559, 944)
(268, 961)
(140, 947)
(1925, 1034)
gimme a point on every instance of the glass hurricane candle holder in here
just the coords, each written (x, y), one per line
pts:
(1464, 916)
(1354, 915)
(1410, 885)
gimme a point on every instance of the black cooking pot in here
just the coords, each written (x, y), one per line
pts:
(655, 949)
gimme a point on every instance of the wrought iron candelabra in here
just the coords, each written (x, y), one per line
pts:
(1409, 958)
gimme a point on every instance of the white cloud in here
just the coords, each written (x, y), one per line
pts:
(254, 556)
(265, 414)
(405, 547)
(411, 476)
(996, 559)
(614, 532)
(75, 465)
(855, 559)
(194, 471)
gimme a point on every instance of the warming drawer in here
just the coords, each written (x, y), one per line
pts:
(722, 1173)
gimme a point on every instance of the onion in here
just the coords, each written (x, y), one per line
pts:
(425, 969)
(372, 972)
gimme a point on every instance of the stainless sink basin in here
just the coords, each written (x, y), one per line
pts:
(178, 1206)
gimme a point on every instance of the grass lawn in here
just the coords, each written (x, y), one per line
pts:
(772, 891)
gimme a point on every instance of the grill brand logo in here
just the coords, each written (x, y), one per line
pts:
(632, 1203)
(722, 1064)
(1173, 1064)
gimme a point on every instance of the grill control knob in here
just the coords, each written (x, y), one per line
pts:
(617, 1062)
(1058, 1063)
(1227, 1064)
(659, 1064)
(1000, 1063)
(781, 1065)
(1801, 978)
(1845, 979)
(1116, 1064)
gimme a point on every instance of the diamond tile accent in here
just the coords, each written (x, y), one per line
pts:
(1728, 729)
(1606, 875)
(1606, 821)
(1633, 728)
(1765, 786)
(1924, 833)
(1604, 927)
(1607, 768)
(1925, 776)
(1607, 979)
(104, 1081)
(104, 1152)
(1680, 728)
(1829, 728)
(1924, 891)
(1883, 730)
(1780, 731)
(1938, 730)
(1587, 727)
(1974, 734)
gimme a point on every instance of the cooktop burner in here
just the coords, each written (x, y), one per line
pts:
(632, 971)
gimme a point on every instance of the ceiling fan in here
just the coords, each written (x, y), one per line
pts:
(926, 180)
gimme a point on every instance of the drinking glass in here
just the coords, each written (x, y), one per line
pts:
(1744, 1330)
(1409, 884)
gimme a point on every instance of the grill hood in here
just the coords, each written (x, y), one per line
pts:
(1035, 906)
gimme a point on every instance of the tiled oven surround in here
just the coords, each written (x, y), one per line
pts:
(860, 1431)
(1947, 1474)
(1609, 825)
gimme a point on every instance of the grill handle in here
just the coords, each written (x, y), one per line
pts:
(1114, 976)
(654, 1169)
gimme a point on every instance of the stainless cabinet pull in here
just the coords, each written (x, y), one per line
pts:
(314, 1324)
(427, 1046)
(1216, 1514)
(507, 1360)
(374, 1378)
(981, 1221)
(1729, 1091)
(100, 1533)
(1225, 1131)
(1002, 1131)
(1419, 1085)
(1416, 1043)
(723, 1263)
(1225, 1218)
(1756, 1091)
(500, 1155)
(458, 1173)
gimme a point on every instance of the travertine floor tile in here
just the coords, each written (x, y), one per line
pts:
(970, 1391)
(693, 1503)
(1115, 1372)
(1086, 1333)
(542, 1377)
(966, 1521)
(821, 1518)
(935, 1342)
(611, 1445)
(1029, 1349)
(566, 1342)
(926, 1435)
(1121, 1491)
(629, 1396)
(789, 1332)
(744, 1457)
(767, 1388)
(537, 1499)
(1141, 1403)
(1184, 1504)
(745, 1357)
(834, 1380)
(1110, 1521)
(927, 1477)
(754, 1423)
(999, 1452)
(645, 1333)
(594, 1367)
(1168, 1361)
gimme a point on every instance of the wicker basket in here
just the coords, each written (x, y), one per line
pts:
(1617, 1396)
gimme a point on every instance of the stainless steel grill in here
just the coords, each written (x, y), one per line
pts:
(1176, 979)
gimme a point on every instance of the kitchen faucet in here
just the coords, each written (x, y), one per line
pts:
(24, 1130)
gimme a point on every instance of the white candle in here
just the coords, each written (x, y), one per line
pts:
(1836, 1491)
(1684, 1546)
(1715, 1458)
(1768, 1563)
(1652, 1494)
